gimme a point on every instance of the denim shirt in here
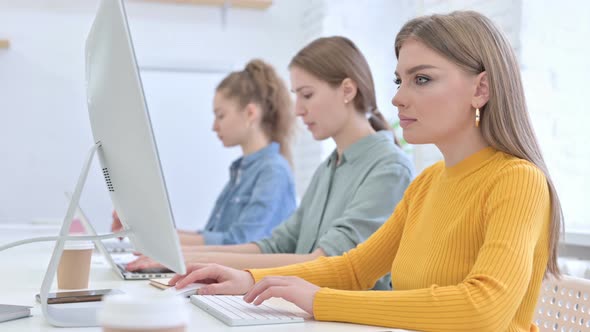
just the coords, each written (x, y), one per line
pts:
(259, 196)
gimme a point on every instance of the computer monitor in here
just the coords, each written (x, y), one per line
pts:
(128, 153)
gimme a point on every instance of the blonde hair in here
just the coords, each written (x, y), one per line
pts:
(260, 84)
(332, 60)
(475, 44)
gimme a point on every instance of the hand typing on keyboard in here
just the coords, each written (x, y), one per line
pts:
(228, 281)
(293, 289)
(219, 279)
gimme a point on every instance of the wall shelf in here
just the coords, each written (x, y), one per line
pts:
(251, 4)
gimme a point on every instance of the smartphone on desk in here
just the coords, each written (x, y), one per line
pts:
(90, 295)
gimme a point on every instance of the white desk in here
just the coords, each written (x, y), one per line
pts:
(27, 266)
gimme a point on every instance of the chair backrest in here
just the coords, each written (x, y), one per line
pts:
(564, 305)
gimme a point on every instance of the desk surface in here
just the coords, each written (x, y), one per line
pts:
(27, 266)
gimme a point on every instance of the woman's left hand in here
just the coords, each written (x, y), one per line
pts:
(293, 289)
(143, 262)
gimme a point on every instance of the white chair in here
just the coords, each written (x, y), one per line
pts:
(564, 305)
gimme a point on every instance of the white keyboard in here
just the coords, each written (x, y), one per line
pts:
(233, 311)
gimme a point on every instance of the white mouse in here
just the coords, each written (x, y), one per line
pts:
(186, 291)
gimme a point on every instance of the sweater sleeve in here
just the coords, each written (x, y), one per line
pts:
(516, 214)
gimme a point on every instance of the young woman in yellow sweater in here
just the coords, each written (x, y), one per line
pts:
(470, 242)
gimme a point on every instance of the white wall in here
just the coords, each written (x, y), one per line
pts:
(194, 162)
(557, 96)
(44, 132)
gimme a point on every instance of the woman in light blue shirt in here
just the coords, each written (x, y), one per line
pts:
(259, 195)
(253, 110)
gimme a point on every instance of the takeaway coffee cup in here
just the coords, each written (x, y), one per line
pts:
(143, 312)
(74, 265)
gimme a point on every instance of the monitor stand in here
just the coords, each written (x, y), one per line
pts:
(84, 314)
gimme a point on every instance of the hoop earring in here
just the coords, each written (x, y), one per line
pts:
(477, 117)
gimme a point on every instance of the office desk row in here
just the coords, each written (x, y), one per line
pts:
(23, 269)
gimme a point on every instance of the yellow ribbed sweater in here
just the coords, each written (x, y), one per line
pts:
(467, 248)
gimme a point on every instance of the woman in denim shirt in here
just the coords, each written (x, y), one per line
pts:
(259, 195)
(353, 191)
(252, 109)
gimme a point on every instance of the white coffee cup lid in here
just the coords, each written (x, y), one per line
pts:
(131, 311)
(78, 245)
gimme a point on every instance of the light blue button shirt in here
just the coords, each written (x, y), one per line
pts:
(259, 195)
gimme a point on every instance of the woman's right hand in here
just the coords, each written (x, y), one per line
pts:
(219, 279)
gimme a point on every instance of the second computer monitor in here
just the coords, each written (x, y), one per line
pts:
(128, 155)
